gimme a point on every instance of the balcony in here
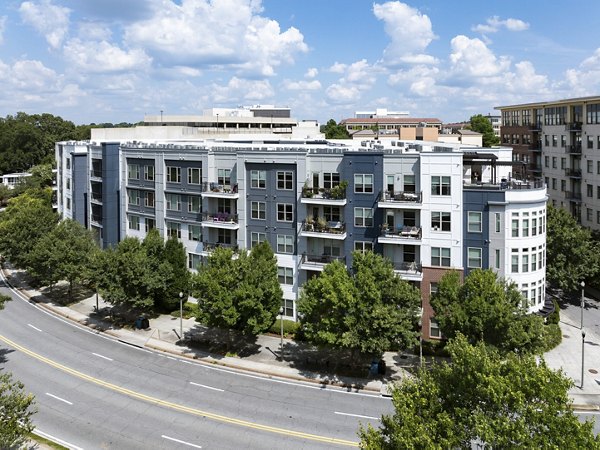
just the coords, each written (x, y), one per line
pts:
(400, 235)
(216, 190)
(323, 196)
(506, 185)
(96, 173)
(536, 146)
(318, 262)
(96, 220)
(220, 220)
(410, 271)
(323, 229)
(576, 148)
(209, 247)
(535, 126)
(573, 196)
(399, 199)
(573, 126)
(573, 173)
(96, 197)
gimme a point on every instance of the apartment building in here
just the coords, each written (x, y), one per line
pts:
(428, 207)
(385, 127)
(560, 141)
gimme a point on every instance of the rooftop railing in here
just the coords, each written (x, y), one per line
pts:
(505, 185)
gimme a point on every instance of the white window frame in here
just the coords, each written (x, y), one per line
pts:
(258, 179)
(147, 203)
(133, 222)
(194, 233)
(285, 180)
(285, 275)
(173, 229)
(474, 221)
(363, 217)
(285, 244)
(363, 183)
(133, 171)
(475, 261)
(285, 212)
(149, 174)
(133, 197)
(363, 246)
(439, 255)
(260, 210)
(441, 185)
(194, 260)
(190, 204)
(224, 177)
(173, 198)
(438, 219)
(256, 238)
(173, 174)
(192, 172)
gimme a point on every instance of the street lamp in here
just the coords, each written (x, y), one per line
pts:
(582, 354)
(281, 322)
(582, 302)
(181, 316)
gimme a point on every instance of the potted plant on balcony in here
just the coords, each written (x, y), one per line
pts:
(306, 191)
(339, 192)
(321, 224)
(310, 223)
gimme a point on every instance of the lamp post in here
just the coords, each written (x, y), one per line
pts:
(582, 354)
(281, 322)
(582, 302)
(181, 316)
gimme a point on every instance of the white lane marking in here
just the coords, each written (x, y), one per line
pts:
(102, 356)
(356, 415)
(58, 398)
(207, 387)
(39, 432)
(35, 328)
(586, 412)
(180, 442)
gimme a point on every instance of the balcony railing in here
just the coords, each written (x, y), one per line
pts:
(96, 197)
(504, 185)
(407, 266)
(219, 188)
(96, 219)
(322, 259)
(322, 226)
(335, 193)
(400, 196)
(575, 148)
(573, 195)
(211, 246)
(96, 173)
(535, 126)
(219, 217)
(573, 126)
(575, 173)
(404, 232)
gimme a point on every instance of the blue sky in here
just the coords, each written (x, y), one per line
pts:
(116, 60)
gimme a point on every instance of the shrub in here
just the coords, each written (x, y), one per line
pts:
(434, 348)
(554, 318)
(290, 328)
(189, 310)
(552, 336)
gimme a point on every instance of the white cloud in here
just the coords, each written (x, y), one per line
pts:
(584, 80)
(93, 31)
(337, 93)
(2, 28)
(50, 20)
(357, 77)
(102, 56)
(301, 85)
(337, 67)
(217, 33)
(410, 31)
(493, 24)
(239, 89)
(471, 58)
(419, 80)
(311, 72)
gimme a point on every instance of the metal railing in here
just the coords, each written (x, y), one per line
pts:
(96, 197)
(219, 188)
(322, 226)
(407, 266)
(400, 196)
(504, 185)
(322, 259)
(211, 246)
(576, 173)
(573, 195)
(404, 232)
(573, 126)
(335, 193)
(575, 148)
(219, 217)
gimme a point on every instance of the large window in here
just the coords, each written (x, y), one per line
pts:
(194, 232)
(440, 185)
(363, 217)
(288, 307)
(285, 180)
(173, 174)
(474, 222)
(258, 179)
(409, 183)
(257, 238)
(133, 222)
(363, 183)
(133, 197)
(526, 225)
(224, 177)
(285, 275)
(194, 175)
(331, 213)
(173, 202)
(194, 261)
(133, 171)
(174, 229)
(285, 212)
(258, 210)
(149, 173)
(150, 224)
(474, 258)
(514, 261)
(285, 244)
(149, 199)
(434, 329)
(515, 225)
(194, 204)
(440, 221)
(363, 246)
(331, 179)
(593, 113)
(440, 256)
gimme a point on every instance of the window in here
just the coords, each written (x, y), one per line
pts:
(525, 227)
(563, 185)
(174, 229)
(546, 141)
(598, 168)
(68, 184)
(331, 213)
(434, 329)
(363, 246)
(554, 183)
(258, 179)
(498, 222)
(534, 226)
(258, 210)
(590, 190)
(440, 185)
(194, 175)
(149, 199)
(194, 232)
(514, 261)
(173, 174)
(440, 256)
(588, 214)
(285, 244)
(598, 217)
(194, 261)
(133, 171)
(257, 238)
(285, 212)
(409, 183)
(563, 140)
(194, 204)
(515, 228)
(285, 180)
(288, 307)
(331, 179)
(598, 192)
(563, 163)
(173, 202)
(224, 177)
(363, 183)
(590, 166)
(525, 263)
(133, 197)
(149, 173)
(150, 224)
(534, 261)
(68, 162)
(133, 222)
(546, 161)
(474, 222)
(524, 292)
(363, 217)
(590, 141)
(440, 221)
(285, 275)
(474, 258)
(554, 140)
(554, 160)
(547, 182)
(433, 288)
(497, 261)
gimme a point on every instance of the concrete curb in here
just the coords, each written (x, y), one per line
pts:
(584, 407)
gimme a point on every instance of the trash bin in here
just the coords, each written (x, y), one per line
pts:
(374, 367)
(381, 367)
(145, 323)
(138, 322)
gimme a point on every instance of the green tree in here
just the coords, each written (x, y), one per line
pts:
(572, 255)
(16, 409)
(484, 398)
(370, 310)
(334, 131)
(175, 255)
(481, 124)
(486, 309)
(41, 177)
(65, 253)
(242, 293)
(24, 222)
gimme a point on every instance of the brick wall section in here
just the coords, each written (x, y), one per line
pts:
(431, 275)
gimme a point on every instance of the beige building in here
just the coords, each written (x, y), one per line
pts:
(404, 128)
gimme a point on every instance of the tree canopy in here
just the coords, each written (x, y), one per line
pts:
(370, 310)
(481, 124)
(16, 409)
(572, 255)
(485, 308)
(334, 131)
(240, 293)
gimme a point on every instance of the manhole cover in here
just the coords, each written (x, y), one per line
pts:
(566, 336)
(593, 371)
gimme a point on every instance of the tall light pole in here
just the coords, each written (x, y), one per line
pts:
(582, 302)
(181, 316)
(281, 321)
(582, 354)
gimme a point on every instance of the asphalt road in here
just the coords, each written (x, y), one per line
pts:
(95, 392)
